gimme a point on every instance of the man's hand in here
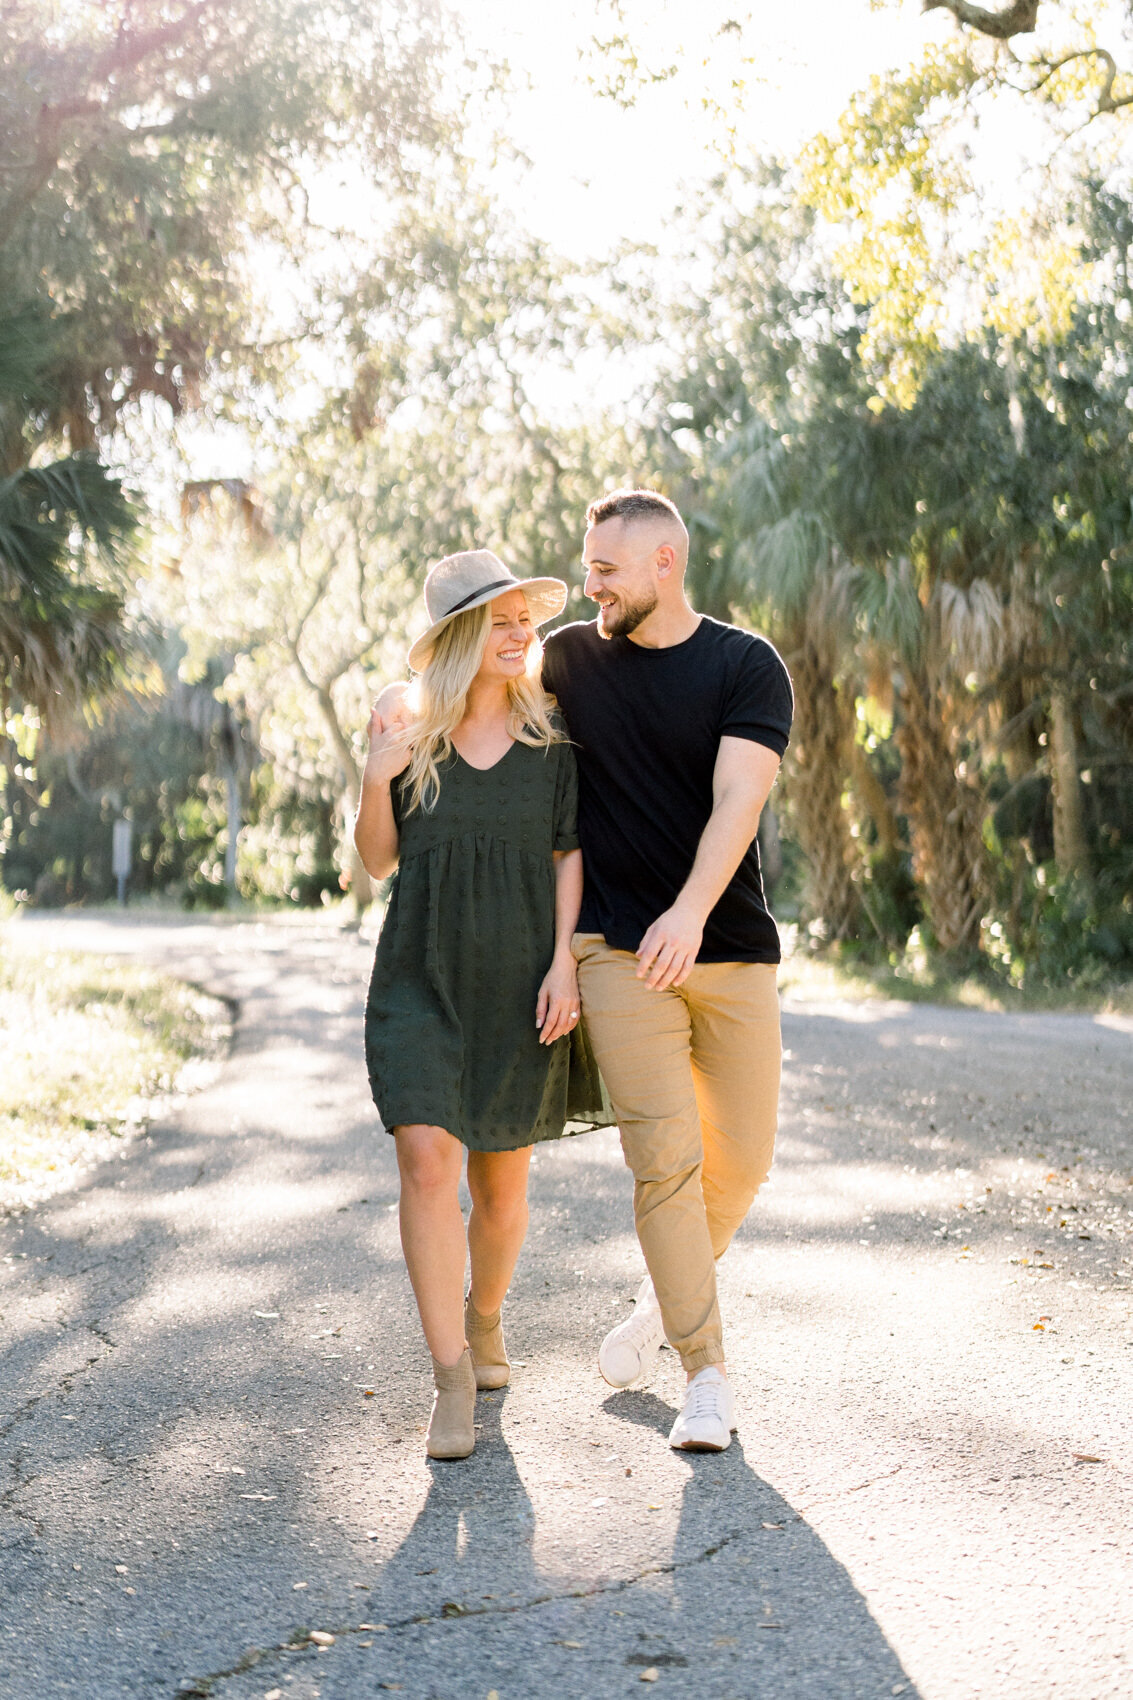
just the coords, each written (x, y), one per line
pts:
(669, 949)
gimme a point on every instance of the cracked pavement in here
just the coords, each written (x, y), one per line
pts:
(929, 1328)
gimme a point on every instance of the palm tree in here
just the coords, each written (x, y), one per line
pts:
(64, 529)
(63, 637)
(777, 559)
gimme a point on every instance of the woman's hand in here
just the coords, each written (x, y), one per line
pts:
(557, 1006)
(390, 746)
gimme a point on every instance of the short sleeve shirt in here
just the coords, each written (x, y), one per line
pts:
(646, 725)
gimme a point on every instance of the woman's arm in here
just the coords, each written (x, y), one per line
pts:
(556, 1010)
(375, 830)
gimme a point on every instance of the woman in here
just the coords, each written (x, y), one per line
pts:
(470, 792)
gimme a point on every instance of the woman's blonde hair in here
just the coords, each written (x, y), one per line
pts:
(438, 698)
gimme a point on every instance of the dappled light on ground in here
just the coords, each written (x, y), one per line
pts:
(215, 1381)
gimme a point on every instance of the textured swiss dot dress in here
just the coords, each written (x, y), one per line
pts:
(468, 936)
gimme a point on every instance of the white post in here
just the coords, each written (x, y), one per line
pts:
(121, 856)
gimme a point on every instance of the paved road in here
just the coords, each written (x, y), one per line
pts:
(195, 1477)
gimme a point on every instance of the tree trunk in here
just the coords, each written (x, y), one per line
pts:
(870, 793)
(945, 815)
(361, 890)
(1071, 846)
(818, 762)
(770, 850)
(232, 810)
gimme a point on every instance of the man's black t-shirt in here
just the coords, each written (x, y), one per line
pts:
(647, 725)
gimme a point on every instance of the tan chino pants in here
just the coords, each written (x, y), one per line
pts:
(693, 1074)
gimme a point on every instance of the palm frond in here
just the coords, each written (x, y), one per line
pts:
(969, 625)
(891, 609)
(63, 637)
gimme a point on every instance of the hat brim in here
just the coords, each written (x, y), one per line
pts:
(545, 597)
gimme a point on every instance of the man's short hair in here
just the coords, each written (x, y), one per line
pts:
(631, 505)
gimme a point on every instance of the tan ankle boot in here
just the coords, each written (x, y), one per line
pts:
(452, 1432)
(485, 1336)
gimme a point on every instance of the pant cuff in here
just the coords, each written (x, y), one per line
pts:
(703, 1357)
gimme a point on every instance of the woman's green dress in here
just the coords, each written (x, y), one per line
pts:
(468, 936)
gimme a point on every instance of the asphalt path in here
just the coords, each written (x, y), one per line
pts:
(213, 1391)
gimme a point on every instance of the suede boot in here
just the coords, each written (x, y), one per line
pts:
(485, 1337)
(452, 1432)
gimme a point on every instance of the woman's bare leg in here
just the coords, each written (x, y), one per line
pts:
(432, 1233)
(497, 1181)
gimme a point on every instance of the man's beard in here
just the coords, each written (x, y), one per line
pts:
(627, 618)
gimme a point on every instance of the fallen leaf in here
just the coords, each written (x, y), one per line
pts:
(453, 1608)
(649, 1675)
(493, 1694)
(629, 1472)
(365, 1643)
(1037, 1328)
(648, 1508)
(773, 1525)
(1086, 1458)
(322, 1638)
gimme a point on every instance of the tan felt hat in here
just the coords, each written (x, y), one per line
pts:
(470, 579)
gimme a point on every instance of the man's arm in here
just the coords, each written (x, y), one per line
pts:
(741, 783)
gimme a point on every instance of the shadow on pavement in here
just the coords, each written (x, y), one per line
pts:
(742, 1599)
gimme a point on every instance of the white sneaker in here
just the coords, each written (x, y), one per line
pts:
(629, 1350)
(708, 1417)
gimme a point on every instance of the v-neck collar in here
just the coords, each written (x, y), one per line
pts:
(492, 766)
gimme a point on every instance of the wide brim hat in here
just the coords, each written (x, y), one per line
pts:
(470, 579)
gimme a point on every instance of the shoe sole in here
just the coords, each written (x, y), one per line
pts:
(702, 1445)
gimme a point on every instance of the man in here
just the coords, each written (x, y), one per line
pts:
(680, 724)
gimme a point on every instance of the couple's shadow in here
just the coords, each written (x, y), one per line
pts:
(742, 1598)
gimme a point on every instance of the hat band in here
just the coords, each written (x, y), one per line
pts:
(484, 590)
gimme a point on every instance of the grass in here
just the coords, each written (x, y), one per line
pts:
(827, 976)
(88, 1045)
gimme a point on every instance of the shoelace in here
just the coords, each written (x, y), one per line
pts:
(707, 1400)
(645, 1323)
